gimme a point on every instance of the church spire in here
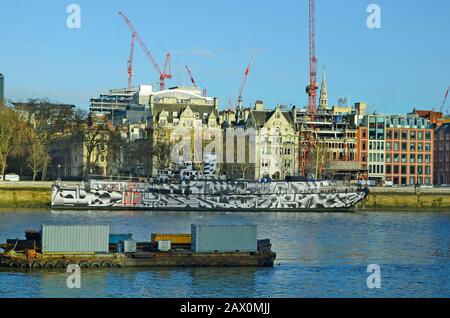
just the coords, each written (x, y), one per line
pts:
(323, 102)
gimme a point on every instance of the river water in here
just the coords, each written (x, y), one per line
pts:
(318, 255)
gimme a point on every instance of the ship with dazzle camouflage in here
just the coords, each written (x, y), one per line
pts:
(206, 195)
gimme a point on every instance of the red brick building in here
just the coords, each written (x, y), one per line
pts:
(397, 149)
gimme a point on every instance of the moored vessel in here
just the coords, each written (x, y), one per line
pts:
(91, 246)
(207, 195)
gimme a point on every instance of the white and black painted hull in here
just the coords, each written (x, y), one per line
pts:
(205, 196)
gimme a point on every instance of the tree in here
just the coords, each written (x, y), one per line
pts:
(162, 147)
(50, 122)
(37, 155)
(119, 153)
(95, 135)
(11, 135)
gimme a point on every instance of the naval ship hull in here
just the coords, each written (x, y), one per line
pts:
(284, 196)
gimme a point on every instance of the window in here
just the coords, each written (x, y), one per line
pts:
(404, 169)
(395, 134)
(396, 169)
(419, 158)
(388, 169)
(427, 146)
(396, 157)
(404, 146)
(412, 158)
(419, 170)
(388, 146)
(396, 146)
(427, 170)
(427, 135)
(428, 181)
(412, 170)
(412, 180)
(389, 134)
(388, 157)
(403, 158)
(412, 135)
(404, 135)
(427, 158)
(420, 135)
(412, 147)
(420, 146)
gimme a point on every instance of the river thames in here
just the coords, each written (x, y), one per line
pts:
(318, 255)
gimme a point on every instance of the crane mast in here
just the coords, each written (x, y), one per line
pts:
(241, 89)
(130, 63)
(311, 89)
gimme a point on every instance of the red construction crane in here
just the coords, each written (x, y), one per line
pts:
(311, 89)
(241, 89)
(445, 99)
(205, 91)
(166, 73)
(130, 63)
(190, 75)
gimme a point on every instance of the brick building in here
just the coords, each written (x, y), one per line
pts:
(397, 149)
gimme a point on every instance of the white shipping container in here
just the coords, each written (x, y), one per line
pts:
(224, 238)
(75, 238)
(129, 246)
(164, 245)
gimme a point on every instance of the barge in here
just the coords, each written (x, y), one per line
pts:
(207, 195)
(56, 247)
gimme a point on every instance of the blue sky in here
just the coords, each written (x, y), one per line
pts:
(404, 64)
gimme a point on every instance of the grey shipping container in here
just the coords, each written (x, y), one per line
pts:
(224, 238)
(75, 238)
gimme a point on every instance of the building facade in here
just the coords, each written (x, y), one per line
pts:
(442, 155)
(396, 149)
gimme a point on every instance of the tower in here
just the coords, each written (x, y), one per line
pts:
(323, 102)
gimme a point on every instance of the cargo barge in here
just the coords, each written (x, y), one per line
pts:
(207, 195)
(56, 247)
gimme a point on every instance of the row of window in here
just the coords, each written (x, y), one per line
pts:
(276, 151)
(412, 180)
(404, 158)
(266, 163)
(413, 135)
(419, 170)
(396, 146)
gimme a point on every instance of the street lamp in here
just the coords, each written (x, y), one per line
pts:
(59, 172)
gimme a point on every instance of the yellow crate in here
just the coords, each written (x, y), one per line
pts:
(174, 238)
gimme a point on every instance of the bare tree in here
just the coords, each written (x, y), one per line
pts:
(95, 137)
(11, 133)
(162, 147)
(50, 121)
(37, 155)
